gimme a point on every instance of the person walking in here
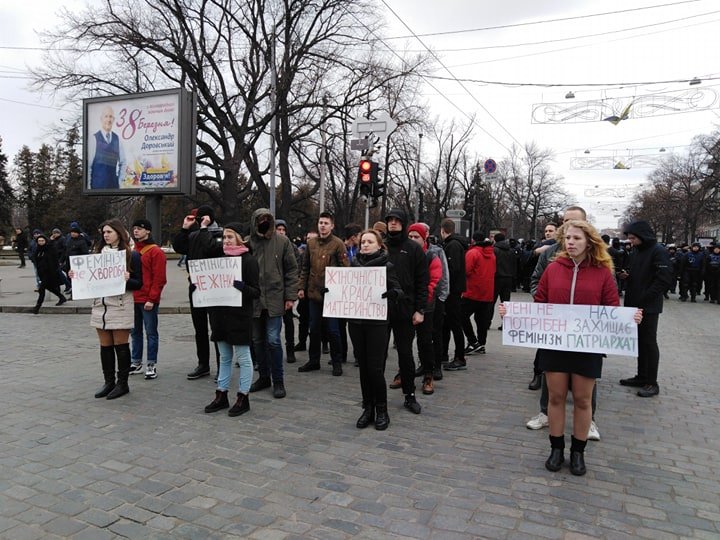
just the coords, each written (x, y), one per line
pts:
(477, 300)
(21, 245)
(647, 277)
(147, 299)
(455, 247)
(366, 334)
(232, 326)
(113, 316)
(46, 261)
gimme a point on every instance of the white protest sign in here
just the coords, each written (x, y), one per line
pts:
(565, 327)
(355, 293)
(213, 279)
(97, 275)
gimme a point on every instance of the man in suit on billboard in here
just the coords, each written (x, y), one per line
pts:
(107, 161)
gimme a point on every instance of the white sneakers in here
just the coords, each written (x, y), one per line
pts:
(541, 420)
(150, 372)
(136, 368)
(538, 422)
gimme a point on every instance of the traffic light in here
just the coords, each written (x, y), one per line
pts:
(365, 178)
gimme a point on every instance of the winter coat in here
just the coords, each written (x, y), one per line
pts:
(649, 271)
(506, 260)
(320, 253)
(480, 271)
(278, 267)
(594, 286)
(184, 242)
(60, 246)
(546, 257)
(118, 312)
(231, 324)
(46, 261)
(442, 289)
(21, 242)
(74, 246)
(154, 268)
(455, 247)
(379, 258)
(411, 267)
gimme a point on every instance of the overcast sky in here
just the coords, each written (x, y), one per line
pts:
(671, 43)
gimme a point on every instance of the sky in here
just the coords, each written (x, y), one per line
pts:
(665, 43)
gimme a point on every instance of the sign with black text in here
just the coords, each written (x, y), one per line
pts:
(355, 292)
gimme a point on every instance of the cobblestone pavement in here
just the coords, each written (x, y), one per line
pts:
(152, 465)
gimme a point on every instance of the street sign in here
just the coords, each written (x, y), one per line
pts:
(490, 166)
(455, 213)
(359, 144)
(382, 127)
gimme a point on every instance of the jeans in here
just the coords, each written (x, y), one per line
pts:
(149, 321)
(242, 354)
(266, 343)
(316, 323)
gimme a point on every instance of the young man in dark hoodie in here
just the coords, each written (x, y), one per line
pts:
(147, 298)
(505, 270)
(647, 276)
(411, 267)
(455, 247)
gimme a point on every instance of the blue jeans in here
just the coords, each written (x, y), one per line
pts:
(149, 321)
(266, 343)
(333, 330)
(242, 354)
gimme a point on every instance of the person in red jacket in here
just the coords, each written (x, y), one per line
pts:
(147, 299)
(477, 300)
(582, 273)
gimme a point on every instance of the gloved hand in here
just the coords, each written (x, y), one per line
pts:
(192, 287)
(325, 290)
(391, 295)
(239, 285)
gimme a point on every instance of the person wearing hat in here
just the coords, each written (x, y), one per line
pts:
(691, 269)
(185, 242)
(712, 274)
(75, 244)
(46, 261)
(231, 326)
(647, 277)
(411, 266)
(278, 292)
(147, 299)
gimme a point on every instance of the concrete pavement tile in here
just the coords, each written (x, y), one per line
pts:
(26, 532)
(93, 533)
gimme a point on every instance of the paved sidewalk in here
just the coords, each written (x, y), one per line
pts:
(152, 465)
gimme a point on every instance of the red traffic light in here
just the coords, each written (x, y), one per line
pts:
(364, 173)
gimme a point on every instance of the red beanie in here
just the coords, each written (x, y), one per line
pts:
(420, 229)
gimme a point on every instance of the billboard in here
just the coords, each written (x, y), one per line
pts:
(139, 144)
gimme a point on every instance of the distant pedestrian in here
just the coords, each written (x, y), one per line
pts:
(47, 266)
(21, 245)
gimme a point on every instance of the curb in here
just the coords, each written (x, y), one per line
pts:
(63, 310)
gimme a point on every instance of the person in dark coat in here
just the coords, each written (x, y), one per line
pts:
(231, 327)
(21, 245)
(455, 247)
(46, 261)
(75, 244)
(505, 270)
(647, 276)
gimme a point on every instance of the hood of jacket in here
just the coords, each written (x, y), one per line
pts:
(503, 244)
(486, 252)
(643, 231)
(457, 238)
(255, 219)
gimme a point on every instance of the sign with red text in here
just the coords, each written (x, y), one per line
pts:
(98, 275)
(213, 279)
(565, 327)
(356, 293)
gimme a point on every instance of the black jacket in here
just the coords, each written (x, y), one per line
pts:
(649, 270)
(410, 264)
(455, 247)
(506, 260)
(48, 267)
(74, 246)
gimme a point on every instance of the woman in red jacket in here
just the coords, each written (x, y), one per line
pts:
(581, 274)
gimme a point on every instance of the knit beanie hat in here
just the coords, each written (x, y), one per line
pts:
(420, 229)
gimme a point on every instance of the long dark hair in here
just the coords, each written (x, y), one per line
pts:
(123, 239)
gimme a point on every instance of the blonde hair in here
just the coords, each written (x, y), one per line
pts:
(597, 252)
(376, 234)
(238, 237)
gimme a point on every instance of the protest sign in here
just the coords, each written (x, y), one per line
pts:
(565, 327)
(97, 275)
(213, 279)
(355, 293)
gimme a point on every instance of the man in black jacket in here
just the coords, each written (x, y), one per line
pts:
(410, 265)
(185, 243)
(505, 269)
(647, 276)
(455, 247)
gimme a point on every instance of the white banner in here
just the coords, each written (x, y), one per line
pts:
(97, 275)
(565, 327)
(214, 281)
(355, 293)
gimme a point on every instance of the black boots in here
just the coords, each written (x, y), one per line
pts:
(382, 420)
(260, 384)
(123, 364)
(241, 406)
(367, 417)
(536, 382)
(577, 457)
(336, 369)
(309, 366)
(36, 309)
(220, 402)
(290, 354)
(107, 359)
(556, 459)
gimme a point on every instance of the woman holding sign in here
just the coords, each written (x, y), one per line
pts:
(580, 274)
(370, 336)
(232, 326)
(114, 316)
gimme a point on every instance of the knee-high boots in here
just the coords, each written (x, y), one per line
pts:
(123, 360)
(107, 359)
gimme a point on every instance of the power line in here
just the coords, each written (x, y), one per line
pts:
(574, 85)
(516, 25)
(32, 104)
(453, 76)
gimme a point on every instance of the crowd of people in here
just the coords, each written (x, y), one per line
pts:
(436, 289)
